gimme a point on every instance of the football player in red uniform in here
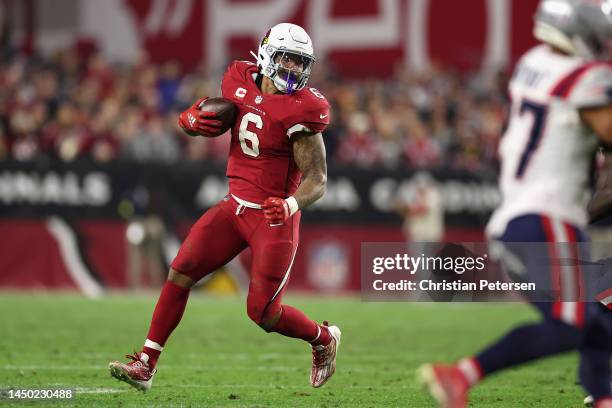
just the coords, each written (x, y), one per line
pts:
(276, 167)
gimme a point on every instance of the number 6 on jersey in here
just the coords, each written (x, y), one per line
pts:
(244, 134)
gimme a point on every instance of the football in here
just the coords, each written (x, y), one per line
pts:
(225, 110)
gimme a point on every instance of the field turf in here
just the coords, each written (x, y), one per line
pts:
(218, 358)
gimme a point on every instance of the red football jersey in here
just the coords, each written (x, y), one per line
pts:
(261, 161)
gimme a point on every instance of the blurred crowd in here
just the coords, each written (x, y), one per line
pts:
(77, 105)
(439, 118)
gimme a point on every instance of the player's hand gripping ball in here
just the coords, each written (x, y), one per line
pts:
(210, 117)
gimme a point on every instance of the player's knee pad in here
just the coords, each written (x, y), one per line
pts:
(265, 315)
(271, 316)
(256, 307)
(181, 279)
(254, 315)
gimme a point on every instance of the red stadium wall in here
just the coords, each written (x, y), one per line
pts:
(31, 257)
(328, 258)
(63, 225)
(359, 38)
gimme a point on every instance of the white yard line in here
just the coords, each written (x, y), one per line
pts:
(52, 367)
(85, 390)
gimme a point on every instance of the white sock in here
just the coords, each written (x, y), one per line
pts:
(144, 357)
(470, 369)
(153, 345)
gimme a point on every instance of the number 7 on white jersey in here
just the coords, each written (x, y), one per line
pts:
(539, 113)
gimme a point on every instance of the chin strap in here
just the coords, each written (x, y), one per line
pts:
(290, 84)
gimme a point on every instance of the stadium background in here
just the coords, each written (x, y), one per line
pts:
(98, 187)
(89, 144)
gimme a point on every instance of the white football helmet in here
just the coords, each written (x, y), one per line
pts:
(286, 56)
(578, 27)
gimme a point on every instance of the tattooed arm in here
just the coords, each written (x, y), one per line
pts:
(309, 155)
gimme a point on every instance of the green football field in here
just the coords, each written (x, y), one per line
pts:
(218, 358)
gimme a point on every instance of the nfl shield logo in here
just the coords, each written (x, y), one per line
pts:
(258, 99)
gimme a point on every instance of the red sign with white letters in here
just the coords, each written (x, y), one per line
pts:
(359, 38)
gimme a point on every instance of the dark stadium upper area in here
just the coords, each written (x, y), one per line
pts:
(75, 105)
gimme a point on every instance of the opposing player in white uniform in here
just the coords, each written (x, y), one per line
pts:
(561, 94)
(547, 150)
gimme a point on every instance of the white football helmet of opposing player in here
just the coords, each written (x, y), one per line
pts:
(578, 27)
(286, 56)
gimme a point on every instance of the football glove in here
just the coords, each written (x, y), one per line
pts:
(277, 210)
(195, 122)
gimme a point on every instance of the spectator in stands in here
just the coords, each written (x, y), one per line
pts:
(76, 105)
(153, 143)
(359, 147)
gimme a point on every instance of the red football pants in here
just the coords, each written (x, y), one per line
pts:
(221, 234)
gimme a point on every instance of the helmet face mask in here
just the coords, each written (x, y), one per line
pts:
(286, 56)
(292, 70)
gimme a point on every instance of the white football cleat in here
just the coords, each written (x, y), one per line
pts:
(137, 373)
(324, 358)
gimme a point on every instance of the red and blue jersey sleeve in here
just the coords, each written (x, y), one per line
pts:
(589, 85)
